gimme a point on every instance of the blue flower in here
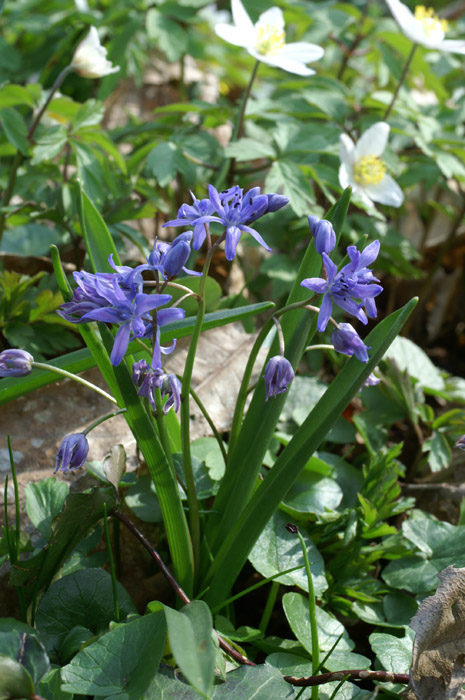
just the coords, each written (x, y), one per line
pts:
(278, 375)
(151, 379)
(15, 363)
(323, 234)
(346, 340)
(72, 453)
(353, 281)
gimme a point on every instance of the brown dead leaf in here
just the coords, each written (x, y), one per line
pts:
(438, 663)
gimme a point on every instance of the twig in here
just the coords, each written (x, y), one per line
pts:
(356, 674)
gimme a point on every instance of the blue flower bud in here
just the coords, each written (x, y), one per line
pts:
(15, 363)
(72, 453)
(371, 380)
(176, 258)
(278, 375)
(323, 233)
(276, 201)
(346, 340)
(460, 442)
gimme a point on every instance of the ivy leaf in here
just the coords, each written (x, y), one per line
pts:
(121, 664)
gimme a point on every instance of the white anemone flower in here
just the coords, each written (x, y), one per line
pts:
(363, 169)
(424, 27)
(89, 59)
(266, 40)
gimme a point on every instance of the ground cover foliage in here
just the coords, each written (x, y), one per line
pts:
(284, 556)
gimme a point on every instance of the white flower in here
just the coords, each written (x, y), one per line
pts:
(424, 27)
(89, 59)
(266, 40)
(363, 169)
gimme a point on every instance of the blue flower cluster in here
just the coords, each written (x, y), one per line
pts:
(119, 298)
(233, 209)
(148, 380)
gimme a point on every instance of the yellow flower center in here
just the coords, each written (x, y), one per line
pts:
(369, 170)
(434, 27)
(269, 39)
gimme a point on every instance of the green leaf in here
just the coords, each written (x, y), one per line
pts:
(44, 501)
(249, 149)
(49, 144)
(120, 664)
(81, 512)
(15, 681)
(30, 239)
(394, 653)
(50, 686)
(164, 161)
(286, 177)
(99, 243)
(84, 598)
(171, 38)
(408, 356)
(15, 95)
(313, 493)
(190, 638)
(329, 630)
(15, 129)
(277, 550)
(27, 650)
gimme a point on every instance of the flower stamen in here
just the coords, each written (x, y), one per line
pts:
(434, 27)
(269, 39)
(369, 170)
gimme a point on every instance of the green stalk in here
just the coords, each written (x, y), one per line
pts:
(162, 431)
(401, 80)
(270, 601)
(312, 616)
(17, 509)
(75, 378)
(224, 170)
(210, 422)
(112, 564)
(194, 522)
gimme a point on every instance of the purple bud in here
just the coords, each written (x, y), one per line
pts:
(15, 363)
(278, 375)
(139, 372)
(323, 233)
(186, 236)
(176, 258)
(460, 442)
(276, 201)
(371, 380)
(171, 387)
(346, 340)
(290, 527)
(72, 453)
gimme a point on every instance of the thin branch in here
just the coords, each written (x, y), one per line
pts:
(356, 674)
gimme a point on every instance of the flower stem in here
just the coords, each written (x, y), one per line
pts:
(194, 522)
(208, 418)
(59, 79)
(312, 616)
(227, 162)
(401, 80)
(74, 377)
(267, 612)
(111, 563)
(102, 419)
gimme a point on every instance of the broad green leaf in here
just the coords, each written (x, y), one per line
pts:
(313, 493)
(84, 598)
(49, 144)
(80, 360)
(27, 650)
(249, 149)
(394, 653)
(120, 664)
(164, 161)
(408, 356)
(50, 686)
(30, 239)
(15, 681)
(15, 129)
(15, 95)
(277, 550)
(44, 501)
(190, 639)
(170, 37)
(81, 512)
(285, 176)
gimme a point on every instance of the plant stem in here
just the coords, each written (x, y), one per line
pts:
(17, 509)
(226, 165)
(59, 79)
(74, 377)
(207, 417)
(102, 419)
(162, 431)
(270, 601)
(112, 564)
(357, 39)
(401, 80)
(194, 522)
(312, 616)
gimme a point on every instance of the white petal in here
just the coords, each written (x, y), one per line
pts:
(233, 35)
(273, 16)
(302, 52)
(346, 177)
(373, 141)
(92, 38)
(386, 192)
(347, 151)
(452, 45)
(241, 18)
(282, 62)
(411, 27)
(362, 195)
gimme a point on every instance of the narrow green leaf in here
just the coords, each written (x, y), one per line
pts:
(98, 240)
(242, 536)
